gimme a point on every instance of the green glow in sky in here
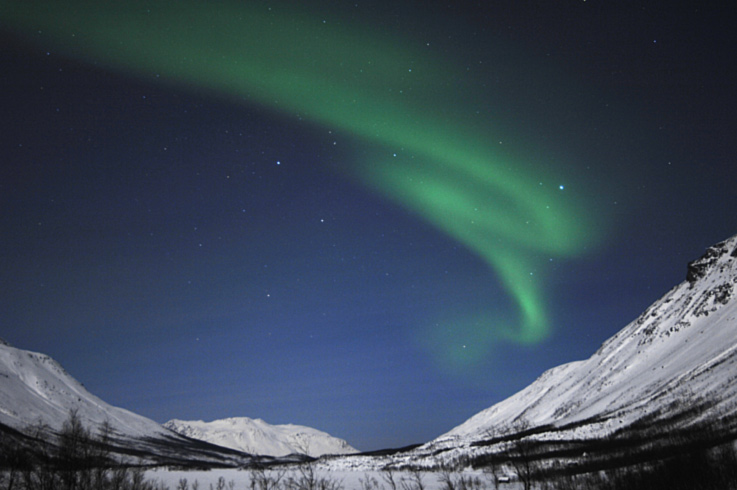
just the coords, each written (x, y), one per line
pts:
(409, 104)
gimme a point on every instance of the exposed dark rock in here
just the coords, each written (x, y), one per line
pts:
(723, 293)
(699, 267)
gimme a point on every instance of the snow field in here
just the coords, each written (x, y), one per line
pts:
(345, 479)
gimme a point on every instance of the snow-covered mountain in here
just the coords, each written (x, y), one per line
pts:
(36, 389)
(667, 378)
(35, 392)
(684, 345)
(254, 436)
(672, 369)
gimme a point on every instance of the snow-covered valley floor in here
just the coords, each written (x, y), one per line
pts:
(335, 480)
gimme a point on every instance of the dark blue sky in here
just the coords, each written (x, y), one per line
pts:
(186, 255)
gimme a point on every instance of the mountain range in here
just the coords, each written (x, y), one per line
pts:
(37, 397)
(666, 380)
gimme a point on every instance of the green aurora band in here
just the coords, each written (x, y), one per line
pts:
(413, 110)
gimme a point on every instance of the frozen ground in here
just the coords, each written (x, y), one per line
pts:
(345, 479)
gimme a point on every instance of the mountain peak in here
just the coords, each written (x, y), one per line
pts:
(721, 253)
(670, 369)
(37, 394)
(254, 436)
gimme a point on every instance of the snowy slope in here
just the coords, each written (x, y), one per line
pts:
(36, 391)
(34, 388)
(684, 345)
(671, 372)
(678, 358)
(255, 436)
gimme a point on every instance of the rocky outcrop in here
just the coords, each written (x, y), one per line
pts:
(698, 268)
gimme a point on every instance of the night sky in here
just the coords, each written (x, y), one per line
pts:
(372, 218)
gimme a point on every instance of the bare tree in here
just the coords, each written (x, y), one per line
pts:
(75, 459)
(302, 443)
(263, 480)
(369, 482)
(100, 455)
(14, 458)
(447, 480)
(492, 465)
(308, 479)
(415, 481)
(75, 453)
(521, 453)
(389, 478)
(220, 484)
(455, 480)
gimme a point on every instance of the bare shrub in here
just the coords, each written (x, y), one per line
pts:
(266, 480)
(415, 481)
(308, 479)
(390, 479)
(458, 481)
(521, 454)
(369, 482)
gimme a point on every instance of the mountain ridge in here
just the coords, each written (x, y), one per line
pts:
(34, 383)
(702, 302)
(255, 436)
(38, 396)
(669, 374)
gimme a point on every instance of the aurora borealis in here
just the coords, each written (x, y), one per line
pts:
(500, 208)
(426, 188)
